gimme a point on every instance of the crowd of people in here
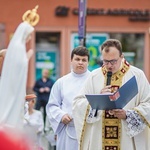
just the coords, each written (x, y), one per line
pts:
(74, 123)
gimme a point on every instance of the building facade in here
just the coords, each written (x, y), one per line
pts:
(56, 34)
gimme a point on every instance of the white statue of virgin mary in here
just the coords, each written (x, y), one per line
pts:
(14, 77)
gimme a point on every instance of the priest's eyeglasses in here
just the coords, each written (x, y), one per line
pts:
(112, 62)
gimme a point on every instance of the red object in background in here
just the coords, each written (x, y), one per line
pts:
(9, 143)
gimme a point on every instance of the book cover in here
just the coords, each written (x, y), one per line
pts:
(115, 100)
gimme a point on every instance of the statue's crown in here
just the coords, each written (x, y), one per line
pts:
(31, 16)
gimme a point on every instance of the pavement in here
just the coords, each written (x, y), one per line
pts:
(46, 145)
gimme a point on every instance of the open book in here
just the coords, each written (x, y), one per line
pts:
(115, 100)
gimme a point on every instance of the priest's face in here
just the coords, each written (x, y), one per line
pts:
(79, 64)
(112, 59)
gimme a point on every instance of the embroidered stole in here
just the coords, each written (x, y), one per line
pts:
(111, 126)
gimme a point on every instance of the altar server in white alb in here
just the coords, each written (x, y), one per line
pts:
(59, 107)
(118, 129)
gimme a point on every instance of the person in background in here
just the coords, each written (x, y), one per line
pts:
(42, 88)
(59, 107)
(117, 129)
(33, 122)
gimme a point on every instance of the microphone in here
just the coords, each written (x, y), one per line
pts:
(108, 82)
(109, 75)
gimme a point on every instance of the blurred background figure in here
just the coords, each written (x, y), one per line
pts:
(42, 88)
(33, 122)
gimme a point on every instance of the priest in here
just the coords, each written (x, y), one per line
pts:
(117, 129)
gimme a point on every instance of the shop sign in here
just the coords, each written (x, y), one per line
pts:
(132, 14)
(46, 60)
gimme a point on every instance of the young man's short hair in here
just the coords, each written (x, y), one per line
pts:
(81, 51)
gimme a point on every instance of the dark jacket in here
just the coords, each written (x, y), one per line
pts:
(40, 84)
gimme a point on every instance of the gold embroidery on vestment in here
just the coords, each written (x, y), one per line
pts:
(111, 126)
(143, 118)
(84, 128)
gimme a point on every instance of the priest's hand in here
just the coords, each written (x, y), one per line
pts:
(106, 89)
(66, 119)
(119, 113)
